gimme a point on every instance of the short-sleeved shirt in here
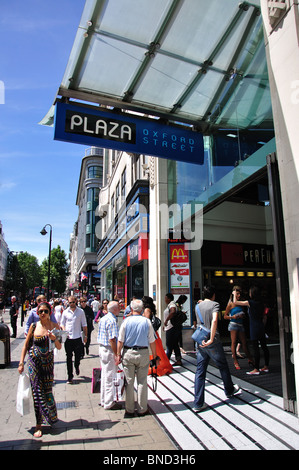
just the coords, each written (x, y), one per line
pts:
(136, 331)
(108, 329)
(166, 313)
(207, 308)
(73, 322)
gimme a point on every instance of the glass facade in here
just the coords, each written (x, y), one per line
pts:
(230, 158)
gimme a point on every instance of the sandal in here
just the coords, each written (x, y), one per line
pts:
(253, 372)
(264, 369)
(237, 366)
(38, 433)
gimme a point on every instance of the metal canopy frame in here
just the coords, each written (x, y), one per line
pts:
(221, 83)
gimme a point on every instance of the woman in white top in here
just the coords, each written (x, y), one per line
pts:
(58, 310)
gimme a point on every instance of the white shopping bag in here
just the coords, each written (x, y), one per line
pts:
(23, 395)
(119, 384)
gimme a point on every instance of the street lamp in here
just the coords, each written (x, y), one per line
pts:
(44, 232)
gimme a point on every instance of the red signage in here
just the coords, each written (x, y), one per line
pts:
(178, 254)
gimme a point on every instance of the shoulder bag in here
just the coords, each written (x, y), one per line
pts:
(201, 333)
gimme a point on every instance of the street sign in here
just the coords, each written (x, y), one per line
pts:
(127, 132)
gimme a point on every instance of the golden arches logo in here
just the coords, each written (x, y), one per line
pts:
(178, 253)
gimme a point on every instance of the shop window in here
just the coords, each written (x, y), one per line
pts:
(138, 281)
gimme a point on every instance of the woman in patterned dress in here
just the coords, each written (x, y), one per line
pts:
(41, 366)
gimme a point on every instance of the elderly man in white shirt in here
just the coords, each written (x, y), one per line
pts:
(107, 339)
(73, 320)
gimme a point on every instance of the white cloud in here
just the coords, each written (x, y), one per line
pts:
(7, 186)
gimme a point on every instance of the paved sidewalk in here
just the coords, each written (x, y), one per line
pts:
(83, 424)
(252, 420)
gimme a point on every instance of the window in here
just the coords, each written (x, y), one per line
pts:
(93, 195)
(123, 184)
(95, 172)
(112, 207)
(88, 241)
(117, 201)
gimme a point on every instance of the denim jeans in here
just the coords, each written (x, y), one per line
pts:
(216, 353)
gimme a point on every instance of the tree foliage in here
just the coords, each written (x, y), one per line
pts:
(30, 268)
(23, 272)
(59, 270)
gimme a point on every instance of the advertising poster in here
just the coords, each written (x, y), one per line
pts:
(180, 281)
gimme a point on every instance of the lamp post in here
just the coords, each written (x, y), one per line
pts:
(44, 232)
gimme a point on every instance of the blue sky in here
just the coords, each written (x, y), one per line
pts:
(38, 176)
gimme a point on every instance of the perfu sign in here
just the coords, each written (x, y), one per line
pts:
(88, 126)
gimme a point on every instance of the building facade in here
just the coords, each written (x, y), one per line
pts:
(83, 243)
(232, 218)
(123, 208)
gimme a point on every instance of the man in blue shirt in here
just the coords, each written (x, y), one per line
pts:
(107, 339)
(136, 334)
(33, 316)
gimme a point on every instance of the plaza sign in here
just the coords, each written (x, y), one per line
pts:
(128, 133)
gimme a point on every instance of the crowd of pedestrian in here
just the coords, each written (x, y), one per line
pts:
(135, 346)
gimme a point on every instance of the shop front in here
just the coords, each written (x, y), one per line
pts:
(226, 265)
(137, 257)
(123, 253)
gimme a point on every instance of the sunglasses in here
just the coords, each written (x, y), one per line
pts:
(43, 311)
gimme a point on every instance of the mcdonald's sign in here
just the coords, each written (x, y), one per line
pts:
(178, 254)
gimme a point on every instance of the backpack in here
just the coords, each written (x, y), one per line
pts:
(179, 317)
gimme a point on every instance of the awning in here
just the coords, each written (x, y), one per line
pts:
(197, 62)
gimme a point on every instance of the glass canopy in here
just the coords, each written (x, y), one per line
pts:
(194, 62)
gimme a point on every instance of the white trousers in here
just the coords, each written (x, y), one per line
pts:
(109, 370)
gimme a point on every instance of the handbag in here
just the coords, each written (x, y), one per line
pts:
(96, 380)
(23, 395)
(201, 333)
(156, 322)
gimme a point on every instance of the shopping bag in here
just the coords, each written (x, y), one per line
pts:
(119, 384)
(96, 380)
(23, 395)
